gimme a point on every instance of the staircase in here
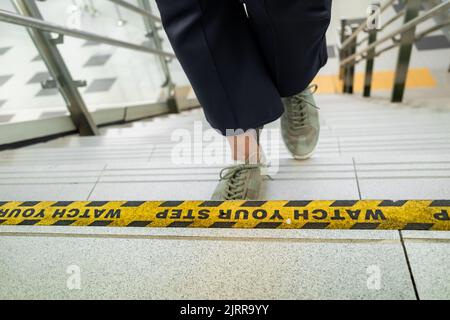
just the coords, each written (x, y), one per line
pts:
(369, 149)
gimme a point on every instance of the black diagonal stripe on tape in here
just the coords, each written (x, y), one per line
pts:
(29, 203)
(64, 222)
(180, 224)
(139, 224)
(2, 220)
(211, 204)
(3, 203)
(62, 204)
(97, 203)
(222, 225)
(391, 203)
(298, 203)
(316, 225)
(344, 203)
(253, 204)
(133, 204)
(418, 226)
(440, 203)
(28, 222)
(268, 225)
(365, 226)
(100, 223)
(169, 204)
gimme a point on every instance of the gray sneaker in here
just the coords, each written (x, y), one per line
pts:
(240, 182)
(300, 125)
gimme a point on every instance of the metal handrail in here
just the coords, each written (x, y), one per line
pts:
(418, 37)
(17, 19)
(400, 14)
(432, 29)
(404, 38)
(397, 43)
(136, 9)
(406, 27)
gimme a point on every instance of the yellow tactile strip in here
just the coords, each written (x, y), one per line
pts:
(382, 80)
(320, 214)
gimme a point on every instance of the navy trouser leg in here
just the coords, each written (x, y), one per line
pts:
(292, 37)
(239, 67)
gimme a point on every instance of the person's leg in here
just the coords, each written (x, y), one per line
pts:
(237, 79)
(221, 57)
(292, 37)
(291, 34)
(245, 147)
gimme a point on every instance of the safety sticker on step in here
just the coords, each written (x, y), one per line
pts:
(330, 214)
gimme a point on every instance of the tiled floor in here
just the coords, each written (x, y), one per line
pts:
(427, 253)
(4, 79)
(223, 268)
(427, 258)
(98, 60)
(52, 114)
(4, 50)
(433, 43)
(39, 77)
(100, 85)
(29, 191)
(47, 92)
(6, 117)
(36, 58)
(89, 43)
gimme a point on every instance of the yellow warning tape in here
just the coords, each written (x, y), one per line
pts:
(332, 214)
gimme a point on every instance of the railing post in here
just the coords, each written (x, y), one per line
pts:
(368, 77)
(342, 52)
(404, 55)
(49, 52)
(349, 78)
(153, 34)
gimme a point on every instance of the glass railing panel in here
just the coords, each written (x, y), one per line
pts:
(22, 97)
(115, 77)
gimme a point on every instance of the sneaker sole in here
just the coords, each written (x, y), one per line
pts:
(305, 157)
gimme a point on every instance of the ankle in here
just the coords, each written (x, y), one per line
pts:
(245, 148)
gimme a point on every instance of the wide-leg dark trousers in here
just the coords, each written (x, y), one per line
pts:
(241, 62)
